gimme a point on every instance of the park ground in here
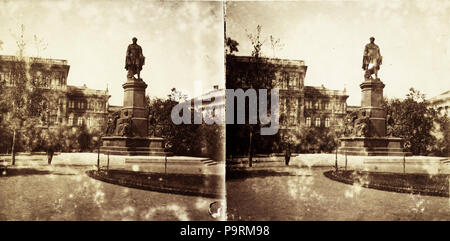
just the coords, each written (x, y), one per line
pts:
(63, 191)
(300, 191)
(271, 191)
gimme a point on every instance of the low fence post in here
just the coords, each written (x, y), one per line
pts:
(346, 160)
(98, 158)
(404, 164)
(107, 164)
(165, 165)
(336, 162)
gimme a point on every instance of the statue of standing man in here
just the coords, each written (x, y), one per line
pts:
(134, 60)
(372, 59)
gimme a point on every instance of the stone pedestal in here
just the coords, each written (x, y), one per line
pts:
(131, 135)
(134, 104)
(371, 101)
(375, 142)
(133, 146)
(372, 146)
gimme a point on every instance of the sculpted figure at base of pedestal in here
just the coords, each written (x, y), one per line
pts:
(124, 125)
(120, 126)
(358, 125)
(112, 123)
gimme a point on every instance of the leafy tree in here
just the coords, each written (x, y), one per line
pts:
(442, 134)
(313, 139)
(22, 102)
(213, 137)
(180, 139)
(258, 73)
(413, 120)
(184, 139)
(25, 100)
(275, 45)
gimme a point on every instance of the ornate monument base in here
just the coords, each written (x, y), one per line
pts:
(133, 146)
(369, 129)
(372, 146)
(127, 132)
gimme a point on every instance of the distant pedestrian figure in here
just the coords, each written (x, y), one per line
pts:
(50, 153)
(287, 155)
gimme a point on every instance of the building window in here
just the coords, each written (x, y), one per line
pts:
(300, 82)
(292, 77)
(285, 80)
(327, 105)
(308, 121)
(318, 122)
(70, 121)
(338, 107)
(89, 121)
(286, 104)
(308, 104)
(279, 79)
(52, 120)
(327, 122)
(80, 121)
(292, 121)
(316, 105)
(296, 79)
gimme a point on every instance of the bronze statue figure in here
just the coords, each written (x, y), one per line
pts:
(358, 124)
(134, 60)
(124, 127)
(112, 123)
(372, 59)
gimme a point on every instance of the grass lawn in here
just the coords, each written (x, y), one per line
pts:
(425, 184)
(187, 184)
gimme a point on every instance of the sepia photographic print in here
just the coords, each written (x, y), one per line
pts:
(363, 110)
(146, 110)
(87, 93)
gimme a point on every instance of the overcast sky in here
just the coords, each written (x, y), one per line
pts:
(182, 42)
(330, 36)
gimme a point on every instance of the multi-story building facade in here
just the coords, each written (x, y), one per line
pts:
(211, 104)
(69, 105)
(299, 104)
(441, 103)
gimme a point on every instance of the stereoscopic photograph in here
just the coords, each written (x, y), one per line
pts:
(87, 92)
(222, 110)
(363, 96)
